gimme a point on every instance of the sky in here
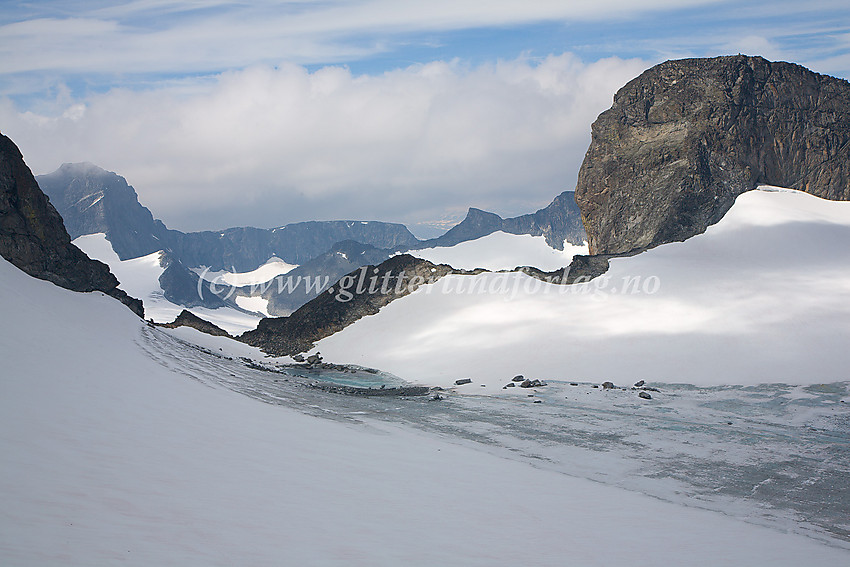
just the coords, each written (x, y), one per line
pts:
(233, 113)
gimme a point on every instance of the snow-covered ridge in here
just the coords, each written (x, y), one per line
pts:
(762, 296)
(139, 277)
(502, 251)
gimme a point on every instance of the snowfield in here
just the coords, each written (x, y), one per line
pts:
(502, 251)
(139, 277)
(112, 455)
(761, 297)
(271, 269)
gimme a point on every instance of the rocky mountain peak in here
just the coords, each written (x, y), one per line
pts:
(93, 200)
(33, 237)
(686, 137)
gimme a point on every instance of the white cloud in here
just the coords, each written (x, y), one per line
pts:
(267, 145)
(158, 37)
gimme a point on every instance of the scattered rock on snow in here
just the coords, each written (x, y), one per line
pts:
(645, 395)
(463, 381)
(639, 383)
(518, 378)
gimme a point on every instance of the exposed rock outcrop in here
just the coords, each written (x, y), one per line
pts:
(686, 137)
(362, 292)
(189, 319)
(33, 237)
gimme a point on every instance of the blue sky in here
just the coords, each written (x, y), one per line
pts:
(226, 113)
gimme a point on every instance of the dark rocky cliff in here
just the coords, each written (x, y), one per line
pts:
(686, 137)
(33, 237)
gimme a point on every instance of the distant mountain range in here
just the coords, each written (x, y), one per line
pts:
(92, 200)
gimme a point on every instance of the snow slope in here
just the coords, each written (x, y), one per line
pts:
(272, 268)
(112, 457)
(502, 251)
(763, 296)
(139, 277)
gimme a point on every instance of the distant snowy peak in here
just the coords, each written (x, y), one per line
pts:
(92, 200)
(559, 223)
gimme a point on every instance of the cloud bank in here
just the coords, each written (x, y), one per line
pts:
(268, 145)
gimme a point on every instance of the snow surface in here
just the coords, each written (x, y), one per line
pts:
(256, 304)
(502, 251)
(139, 277)
(763, 296)
(271, 269)
(110, 456)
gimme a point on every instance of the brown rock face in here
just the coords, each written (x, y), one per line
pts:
(33, 238)
(686, 137)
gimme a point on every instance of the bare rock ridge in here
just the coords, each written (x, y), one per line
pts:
(686, 137)
(33, 237)
(189, 319)
(358, 294)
